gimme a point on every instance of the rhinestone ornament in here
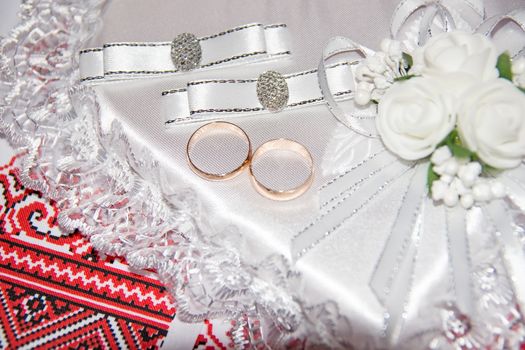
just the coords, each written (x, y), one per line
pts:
(272, 91)
(186, 52)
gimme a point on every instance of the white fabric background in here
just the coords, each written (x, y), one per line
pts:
(340, 267)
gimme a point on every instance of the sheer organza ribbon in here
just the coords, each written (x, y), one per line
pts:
(393, 274)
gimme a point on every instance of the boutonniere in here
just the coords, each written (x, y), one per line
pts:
(455, 101)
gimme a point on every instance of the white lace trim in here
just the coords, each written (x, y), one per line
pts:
(111, 191)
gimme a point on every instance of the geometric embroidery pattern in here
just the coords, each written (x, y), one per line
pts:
(208, 340)
(57, 293)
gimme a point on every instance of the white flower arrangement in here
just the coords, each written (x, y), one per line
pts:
(456, 101)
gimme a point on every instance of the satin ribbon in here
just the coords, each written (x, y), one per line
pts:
(471, 12)
(336, 47)
(207, 100)
(246, 44)
(510, 247)
(458, 254)
(489, 27)
(392, 278)
(358, 187)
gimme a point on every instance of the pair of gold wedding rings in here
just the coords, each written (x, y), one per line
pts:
(277, 144)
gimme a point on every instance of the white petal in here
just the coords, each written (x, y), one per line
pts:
(451, 166)
(467, 201)
(481, 192)
(450, 198)
(440, 155)
(438, 190)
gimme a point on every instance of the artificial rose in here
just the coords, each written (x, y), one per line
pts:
(458, 52)
(491, 122)
(414, 116)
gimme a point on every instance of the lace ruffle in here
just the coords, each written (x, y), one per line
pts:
(111, 190)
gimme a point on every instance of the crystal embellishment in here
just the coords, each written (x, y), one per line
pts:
(186, 52)
(272, 91)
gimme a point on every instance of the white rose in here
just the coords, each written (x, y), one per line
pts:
(491, 122)
(414, 116)
(458, 52)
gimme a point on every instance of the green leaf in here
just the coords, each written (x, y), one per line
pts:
(459, 151)
(449, 139)
(374, 101)
(431, 177)
(522, 89)
(453, 142)
(504, 66)
(487, 169)
(409, 61)
(404, 77)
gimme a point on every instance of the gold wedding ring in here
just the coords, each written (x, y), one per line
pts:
(205, 131)
(282, 145)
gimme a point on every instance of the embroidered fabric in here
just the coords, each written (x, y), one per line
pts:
(115, 192)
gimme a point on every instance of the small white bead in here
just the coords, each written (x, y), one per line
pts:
(362, 97)
(364, 85)
(481, 192)
(467, 201)
(376, 64)
(459, 186)
(451, 166)
(469, 173)
(438, 190)
(475, 168)
(439, 169)
(385, 44)
(441, 155)
(450, 198)
(362, 72)
(381, 82)
(498, 189)
(518, 66)
(446, 178)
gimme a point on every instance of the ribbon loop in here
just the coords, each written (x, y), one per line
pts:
(463, 14)
(432, 11)
(207, 100)
(502, 29)
(335, 47)
(126, 60)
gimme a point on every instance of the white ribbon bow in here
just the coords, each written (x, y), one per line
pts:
(207, 100)
(392, 278)
(127, 60)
